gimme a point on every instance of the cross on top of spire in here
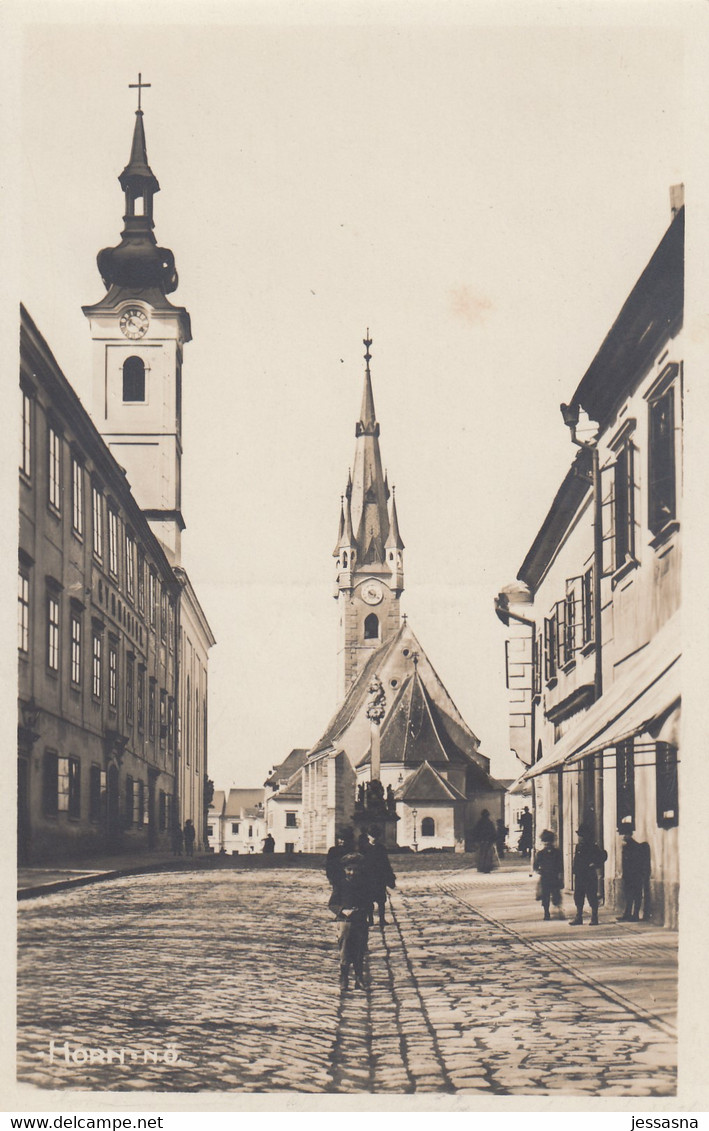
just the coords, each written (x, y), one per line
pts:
(367, 342)
(140, 86)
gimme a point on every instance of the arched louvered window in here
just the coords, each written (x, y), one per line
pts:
(134, 379)
(428, 827)
(371, 627)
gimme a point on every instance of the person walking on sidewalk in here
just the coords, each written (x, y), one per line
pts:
(525, 841)
(636, 874)
(189, 838)
(176, 838)
(549, 864)
(588, 858)
(378, 875)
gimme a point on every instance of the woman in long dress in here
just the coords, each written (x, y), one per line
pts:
(484, 835)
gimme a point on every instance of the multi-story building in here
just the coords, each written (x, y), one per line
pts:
(283, 802)
(97, 634)
(113, 641)
(594, 649)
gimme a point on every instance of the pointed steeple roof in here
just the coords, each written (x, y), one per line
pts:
(394, 540)
(370, 520)
(345, 537)
(367, 416)
(341, 528)
(137, 172)
(137, 264)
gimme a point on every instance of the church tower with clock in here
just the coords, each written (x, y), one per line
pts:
(138, 337)
(369, 551)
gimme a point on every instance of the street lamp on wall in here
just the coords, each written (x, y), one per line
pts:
(414, 814)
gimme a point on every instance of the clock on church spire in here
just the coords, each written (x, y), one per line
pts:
(370, 574)
(139, 337)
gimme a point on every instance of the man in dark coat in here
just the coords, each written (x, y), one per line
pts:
(378, 875)
(588, 858)
(351, 907)
(334, 870)
(636, 871)
(189, 837)
(548, 862)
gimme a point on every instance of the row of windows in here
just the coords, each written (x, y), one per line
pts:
(568, 630)
(570, 626)
(105, 533)
(135, 682)
(620, 485)
(61, 790)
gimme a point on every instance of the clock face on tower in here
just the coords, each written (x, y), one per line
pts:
(134, 322)
(372, 592)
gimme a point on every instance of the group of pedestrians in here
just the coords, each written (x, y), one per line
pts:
(359, 874)
(588, 860)
(183, 837)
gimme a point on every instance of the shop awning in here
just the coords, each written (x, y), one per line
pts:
(647, 692)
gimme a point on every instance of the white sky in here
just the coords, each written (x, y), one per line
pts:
(482, 197)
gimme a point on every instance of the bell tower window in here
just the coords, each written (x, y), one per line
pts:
(371, 627)
(133, 379)
(139, 206)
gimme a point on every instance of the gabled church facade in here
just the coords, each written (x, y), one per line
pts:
(430, 773)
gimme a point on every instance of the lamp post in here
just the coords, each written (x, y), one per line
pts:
(414, 814)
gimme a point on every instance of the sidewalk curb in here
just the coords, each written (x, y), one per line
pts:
(94, 878)
(612, 995)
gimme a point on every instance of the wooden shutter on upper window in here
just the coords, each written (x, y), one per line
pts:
(608, 519)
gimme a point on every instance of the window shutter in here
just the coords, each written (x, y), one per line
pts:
(560, 633)
(666, 784)
(537, 664)
(608, 519)
(549, 650)
(632, 489)
(625, 786)
(588, 602)
(574, 616)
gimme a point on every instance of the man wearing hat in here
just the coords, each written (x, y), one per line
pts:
(588, 857)
(549, 864)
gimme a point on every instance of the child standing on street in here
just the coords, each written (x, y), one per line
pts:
(549, 864)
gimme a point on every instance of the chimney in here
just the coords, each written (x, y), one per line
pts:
(676, 198)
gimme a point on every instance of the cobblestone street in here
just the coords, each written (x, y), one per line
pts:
(228, 981)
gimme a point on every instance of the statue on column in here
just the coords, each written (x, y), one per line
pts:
(376, 703)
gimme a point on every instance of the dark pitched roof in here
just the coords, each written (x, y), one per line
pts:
(288, 767)
(651, 314)
(415, 730)
(292, 791)
(352, 702)
(426, 784)
(575, 487)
